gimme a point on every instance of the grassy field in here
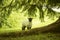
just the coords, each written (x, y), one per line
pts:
(41, 36)
(16, 21)
(16, 35)
(18, 27)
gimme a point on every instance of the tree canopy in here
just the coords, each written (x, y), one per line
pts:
(6, 6)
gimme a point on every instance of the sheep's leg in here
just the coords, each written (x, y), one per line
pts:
(28, 28)
(23, 27)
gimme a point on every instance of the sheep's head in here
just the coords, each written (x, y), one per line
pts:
(30, 19)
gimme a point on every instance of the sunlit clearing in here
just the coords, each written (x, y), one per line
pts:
(16, 18)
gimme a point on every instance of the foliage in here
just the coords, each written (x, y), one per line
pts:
(6, 6)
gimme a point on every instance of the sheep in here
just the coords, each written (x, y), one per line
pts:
(27, 23)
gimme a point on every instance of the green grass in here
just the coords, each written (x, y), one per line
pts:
(41, 36)
(15, 20)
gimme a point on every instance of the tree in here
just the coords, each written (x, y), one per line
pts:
(30, 5)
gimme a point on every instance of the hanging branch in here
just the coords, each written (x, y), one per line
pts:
(32, 10)
(50, 12)
(41, 14)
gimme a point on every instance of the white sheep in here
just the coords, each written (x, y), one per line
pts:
(27, 23)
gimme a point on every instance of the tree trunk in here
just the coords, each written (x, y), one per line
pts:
(54, 27)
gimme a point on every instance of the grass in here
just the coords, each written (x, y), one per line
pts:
(37, 25)
(41, 36)
(16, 21)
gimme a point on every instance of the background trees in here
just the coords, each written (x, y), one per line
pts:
(6, 6)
